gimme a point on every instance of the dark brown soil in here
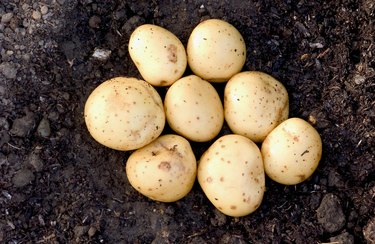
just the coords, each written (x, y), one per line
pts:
(59, 186)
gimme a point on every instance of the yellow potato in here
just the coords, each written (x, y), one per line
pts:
(231, 175)
(291, 152)
(124, 113)
(164, 170)
(158, 54)
(216, 50)
(193, 109)
(254, 104)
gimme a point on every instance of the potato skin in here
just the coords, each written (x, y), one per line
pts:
(216, 50)
(158, 54)
(193, 109)
(291, 152)
(164, 170)
(231, 175)
(124, 113)
(254, 104)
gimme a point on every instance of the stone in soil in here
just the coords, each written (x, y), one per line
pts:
(344, 238)
(330, 214)
(36, 162)
(23, 177)
(8, 69)
(44, 129)
(6, 18)
(22, 126)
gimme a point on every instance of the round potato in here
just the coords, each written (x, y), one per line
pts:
(193, 109)
(291, 152)
(231, 175)
(164, 170)
(124, 113)
(216, 50)
(158, 54)
(254, 104)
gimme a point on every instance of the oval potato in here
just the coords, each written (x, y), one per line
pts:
(193, 109)
(231, 175)
(291, 152)
(158, 54)
(216, 50)
(254, 104)
(164, 170)
(124, 113)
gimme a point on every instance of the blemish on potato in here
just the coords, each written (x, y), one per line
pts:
(165, 166)
(302, 177)
(233, 207)
(172, 53)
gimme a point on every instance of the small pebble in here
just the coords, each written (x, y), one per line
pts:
(6, 18)
(36, 162)
(9, 70)
(44, 9)
(359, 79)
(22, 126)
(344, 238)
(92, 231)
(23, 177)
(80, 230)
(44, 129)
(36, 15)
(101, 54)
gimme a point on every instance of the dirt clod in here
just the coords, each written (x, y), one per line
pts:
(330, 214)
(23, 177)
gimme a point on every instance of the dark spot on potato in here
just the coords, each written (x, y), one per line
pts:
(302, 177)
(163, 82)
(165, 166)
(233, 207)
(172, 53)
(221, 178)
(209, 179)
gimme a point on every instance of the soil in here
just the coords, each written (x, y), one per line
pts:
(60, 186)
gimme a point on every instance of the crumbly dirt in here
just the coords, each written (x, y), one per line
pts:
(59, 186)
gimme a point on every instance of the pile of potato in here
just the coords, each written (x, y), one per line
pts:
(128, 114)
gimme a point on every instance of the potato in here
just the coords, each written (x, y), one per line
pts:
(158, 54)
(231, 175)
(193, 109)
(164, 170)
(124, 113)
(216, 50)
(291, 152)
(254, 104)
